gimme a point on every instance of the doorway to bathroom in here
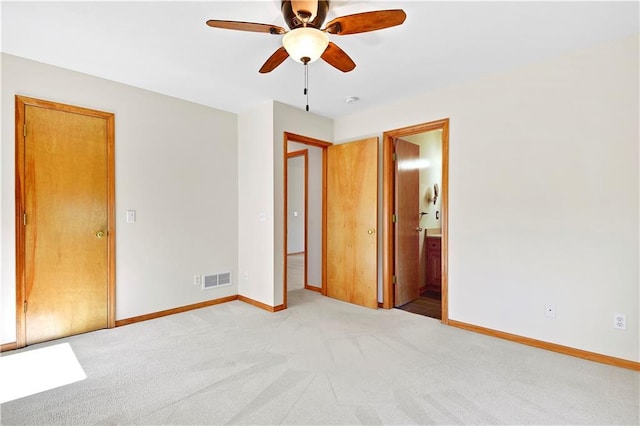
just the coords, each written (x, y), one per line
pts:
(415, 195)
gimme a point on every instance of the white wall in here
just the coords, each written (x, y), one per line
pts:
(289, 119)
(256, 220)
(544, 193)
(430, 144)
(176, 165)
(295, 204)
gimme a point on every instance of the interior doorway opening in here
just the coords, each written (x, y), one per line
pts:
(305, 163)
(297, 218)
(415, 201)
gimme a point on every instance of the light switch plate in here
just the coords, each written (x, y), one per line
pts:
(131, 216)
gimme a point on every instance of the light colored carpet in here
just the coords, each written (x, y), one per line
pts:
(295, 271)
(323, 362)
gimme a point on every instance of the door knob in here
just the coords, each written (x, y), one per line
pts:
(100, 234)
(418, 229)
(371, 231)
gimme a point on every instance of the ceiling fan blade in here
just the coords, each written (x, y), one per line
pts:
(367, 21)
(246, 26)
(337, 58)
(274, 60)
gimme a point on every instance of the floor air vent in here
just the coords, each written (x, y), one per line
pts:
(216, 280)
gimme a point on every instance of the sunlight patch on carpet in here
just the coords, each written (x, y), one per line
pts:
(36, 371)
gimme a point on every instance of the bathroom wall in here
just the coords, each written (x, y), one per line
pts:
(430, 144)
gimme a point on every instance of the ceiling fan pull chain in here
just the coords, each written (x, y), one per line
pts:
(306, 83)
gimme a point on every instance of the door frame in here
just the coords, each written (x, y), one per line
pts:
(305, 140)
(388, 199)
(305, 154)
(21, 102)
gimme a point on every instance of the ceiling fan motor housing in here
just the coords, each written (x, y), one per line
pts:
(296, 20)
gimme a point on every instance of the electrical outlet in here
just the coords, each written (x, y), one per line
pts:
(550, 310)
(620, 321)
(246, 275)
(197, 280)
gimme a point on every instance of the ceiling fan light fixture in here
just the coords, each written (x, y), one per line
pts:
(305, 44)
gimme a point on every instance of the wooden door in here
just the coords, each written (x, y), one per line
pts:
(407, 211)
(352, 218)
(67, 259)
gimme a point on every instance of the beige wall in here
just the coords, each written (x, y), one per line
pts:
(176, 165)
(544, 192)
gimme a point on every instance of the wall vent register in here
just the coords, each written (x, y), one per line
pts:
(216, 280)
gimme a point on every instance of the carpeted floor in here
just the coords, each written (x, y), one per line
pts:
(295, 271)
(322, 362)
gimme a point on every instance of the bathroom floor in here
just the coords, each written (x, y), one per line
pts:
(429, 304)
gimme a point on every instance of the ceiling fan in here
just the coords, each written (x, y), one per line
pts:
(306, 40)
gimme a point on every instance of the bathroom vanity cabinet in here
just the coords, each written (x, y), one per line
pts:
(433, 264)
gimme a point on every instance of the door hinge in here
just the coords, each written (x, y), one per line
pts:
(394, 156)
(25, 306)
(24, 130)
(24, 219)
(393, 280)
(394, 218)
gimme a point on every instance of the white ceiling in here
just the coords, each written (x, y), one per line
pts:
(166, 47)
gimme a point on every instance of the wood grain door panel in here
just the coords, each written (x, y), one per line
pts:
(66, 201)
(407, 208)
(352, 203)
